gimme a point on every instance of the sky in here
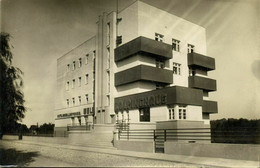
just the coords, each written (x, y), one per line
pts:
(44, 30)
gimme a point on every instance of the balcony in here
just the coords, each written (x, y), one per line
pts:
(143, 45)
(202, 83)
(209, 106)
(196, 60)
(165, 96)
(143, 73)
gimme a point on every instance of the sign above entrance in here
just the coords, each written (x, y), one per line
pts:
(160, 97)
(145, 101)
(66, 115)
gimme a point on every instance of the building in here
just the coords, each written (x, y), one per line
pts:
(145, 68)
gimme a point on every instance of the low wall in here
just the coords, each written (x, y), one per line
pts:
(10, 137)
(227, 151)
(138, 146)
(60, 132)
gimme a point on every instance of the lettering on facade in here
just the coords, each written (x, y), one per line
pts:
(68, 115)
(135, 102)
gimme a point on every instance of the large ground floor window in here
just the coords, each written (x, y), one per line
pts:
(144, 114)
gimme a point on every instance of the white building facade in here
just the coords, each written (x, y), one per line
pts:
(146, 67)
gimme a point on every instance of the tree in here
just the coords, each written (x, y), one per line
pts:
(46, 128)
(12, 107)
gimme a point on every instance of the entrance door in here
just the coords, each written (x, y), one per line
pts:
(159, 139)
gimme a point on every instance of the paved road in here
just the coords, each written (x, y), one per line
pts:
(23, 154)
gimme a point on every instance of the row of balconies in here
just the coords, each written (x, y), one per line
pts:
(158, 75)
(152, 48)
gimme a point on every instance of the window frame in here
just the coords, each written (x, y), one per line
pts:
(176, 67)
(86, 98)
(80, 62)
(159, 37)
(191, 48)
(144, 114)
(73, 84)
(177, 45)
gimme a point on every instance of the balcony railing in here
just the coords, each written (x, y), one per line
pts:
(196, 60)
(143, 73)
(202, 83)
(209, 106)
(143, 45)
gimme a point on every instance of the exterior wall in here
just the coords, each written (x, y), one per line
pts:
(136, 87)
(64, 76)
(134, 61)
(152, 20)
(158, 113)
(105, 67)
(138, 146)
(227, 151)
(63, 122)
(128, 26)
(60, 131)
(194, 113)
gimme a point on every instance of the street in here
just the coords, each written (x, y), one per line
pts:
(18, 153)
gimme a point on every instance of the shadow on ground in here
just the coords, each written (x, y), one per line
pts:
(14, 157)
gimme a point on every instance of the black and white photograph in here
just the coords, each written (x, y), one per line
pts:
(130, 83)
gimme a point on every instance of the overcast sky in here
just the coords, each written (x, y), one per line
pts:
(43, 30)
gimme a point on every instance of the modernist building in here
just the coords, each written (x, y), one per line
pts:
(145, 67)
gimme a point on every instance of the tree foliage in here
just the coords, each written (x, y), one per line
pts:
(231, 130)
(46, 128)
(12, 107)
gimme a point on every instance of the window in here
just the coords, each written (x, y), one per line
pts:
(79, 81)
(68, 67)
(67, 85)
(108, 33)
(74, 65)
(171, 114)
(159, 86)
(73, 101)
(79, 100)
(68, 102)
(108, 81)
(159, 37)
(190, 48)
(176, 69)
(94, 54)
(144, 114)
(86, 61)
(192, 72)
(73, 83)
(182, 112)
(80, 62)
(86, 96)
(175, 45)
(108, 100)
(108, 58)
(86, 79)
(159, 63)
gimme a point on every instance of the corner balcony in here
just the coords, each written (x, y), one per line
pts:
(202, 83)
(165, 96)
(143, 73)
(145, 46)
(196, 60)
(209, 106)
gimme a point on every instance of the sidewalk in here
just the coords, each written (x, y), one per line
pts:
(205, 161)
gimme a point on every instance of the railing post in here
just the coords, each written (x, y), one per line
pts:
(154, 137)
(118, 134)
(164, 135)
(127, 134)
